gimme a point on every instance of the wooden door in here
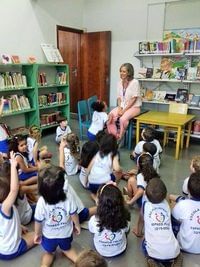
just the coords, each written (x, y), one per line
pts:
(88, 56)
(69, 44)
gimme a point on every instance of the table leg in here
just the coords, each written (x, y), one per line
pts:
(178, 141)
(188, 135)
(137, 131)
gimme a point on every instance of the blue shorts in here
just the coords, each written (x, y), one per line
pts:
(26, 175)
(50, 245)
(83, 215)
(94, 187)
(21, 250)
(91, 136)
(4, 147)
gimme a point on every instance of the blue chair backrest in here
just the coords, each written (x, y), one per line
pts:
(90, 101)
(83, 113)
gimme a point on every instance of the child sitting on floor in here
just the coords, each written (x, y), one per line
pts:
(14, 239)
(110, 224)
(186, 216)
(160, 245)
(62, 129)
(148, 135)
(69, 153)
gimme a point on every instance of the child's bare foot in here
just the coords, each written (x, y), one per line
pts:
(136, 233)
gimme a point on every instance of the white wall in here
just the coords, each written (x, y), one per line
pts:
(128, 20)
(25, 24)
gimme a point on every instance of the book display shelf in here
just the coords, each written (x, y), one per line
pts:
(180, 82)
(34, 94)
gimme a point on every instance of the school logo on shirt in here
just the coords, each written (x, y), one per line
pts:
(109, 236)
(57, 217)
(159, 219)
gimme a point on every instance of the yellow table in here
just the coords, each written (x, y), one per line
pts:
(175, 120)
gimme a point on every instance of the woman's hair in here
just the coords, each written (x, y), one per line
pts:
(148, 134)
(90, 258)
(73, 144)
(88, 151)
(111, 211)
(194, 185)
(130, 70)
(50, 184)
(14, 142)
(156, 190)
(145, 164)
(108, 144)
(98, 105)
(34, 132)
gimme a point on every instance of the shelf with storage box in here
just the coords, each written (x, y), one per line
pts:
(17, 86)
(53, 93)
(156, 87)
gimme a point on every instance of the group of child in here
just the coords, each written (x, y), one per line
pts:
(59, 210)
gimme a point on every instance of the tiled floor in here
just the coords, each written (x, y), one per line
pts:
(172, 172)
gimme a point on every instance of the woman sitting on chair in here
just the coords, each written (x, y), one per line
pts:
(128, 102)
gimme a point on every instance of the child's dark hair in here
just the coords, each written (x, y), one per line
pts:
(148, 134)
(150, 148)
(88, 151)
(111, 210)
(90, 258)
(194, 185)
(108, 144)
(50, 184)
(99, 135)
(4, 187)
(73, 144)
(14, 142)
(98, 106)
(61, 119)
(156, 190)
(145, 162)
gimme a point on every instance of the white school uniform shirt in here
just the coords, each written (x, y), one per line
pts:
(107, 243)
(24, 210)
(83, 177)
(60, 132)
(55, 219)
(140, 181)
(30, 146)
(70, 163)
(156, 158)
(187, 212)
(101, 169)
(3, 134)
(10, 232)
(160, 240)
(185, 186)
(24, 159)
(98, 121)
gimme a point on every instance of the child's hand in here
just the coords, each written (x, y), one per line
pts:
(13, 161)
(62, 144)
(24, 229)
(37, 239)
(77, 229)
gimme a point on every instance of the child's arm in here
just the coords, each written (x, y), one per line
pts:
(75, 220)
(14, 187)
(139, 193)
(38, 232)
(61, 154)
(23, 167)
(116, 165)
(1, 105)
(35, 152)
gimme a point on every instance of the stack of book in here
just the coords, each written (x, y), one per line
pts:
(42, 79)
(52, 98)
(12, 80)
(61, 78)
(158, 47)
(49, 118)
(14, 103)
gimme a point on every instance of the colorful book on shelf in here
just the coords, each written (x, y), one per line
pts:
(148, 94)
(195, 101)
(6, 59)
(32, 59)
(15, 59)
(159, 95)
(157, 73)
(170, 97)
(149, 73)
(182, 95)
(181, 73)
(142, 73)
(143, 47)
(191, 73)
